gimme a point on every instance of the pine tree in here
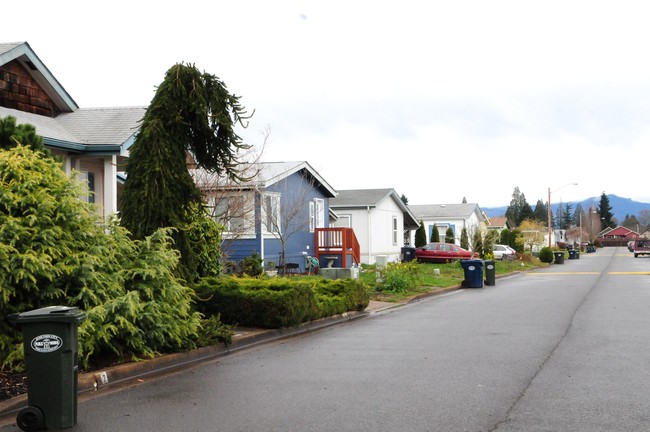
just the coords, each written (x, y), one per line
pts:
(449, 236)
(605, 211)
(435, 234)
(192, 114)
(540, 213)
(464, 239)
(519, 209)
(567, 217)
(420, 236)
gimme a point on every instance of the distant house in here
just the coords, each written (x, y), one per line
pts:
(379, 219)
(284, 202)
(498, 224)
(91, 141)
(454, 216)
(618, 236)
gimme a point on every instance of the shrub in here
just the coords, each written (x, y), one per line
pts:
(251, 265)
(55, 249)
(546, 255)
(278, 302)
(398, 277)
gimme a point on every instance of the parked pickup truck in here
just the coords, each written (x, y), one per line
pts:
(641, 247)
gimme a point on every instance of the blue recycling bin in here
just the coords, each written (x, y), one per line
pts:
(573, 254)
(473, 273)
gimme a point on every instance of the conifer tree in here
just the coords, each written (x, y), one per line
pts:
(192, 115)
(435, 234)
(11, 135)
(605, 211)
(464, 239)
(420, 236)
(449, 236)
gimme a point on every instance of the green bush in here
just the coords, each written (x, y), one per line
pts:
(398, 277)
(278, 302)
(341, 295)
(55, 249)
(252, 265)
(546, 255)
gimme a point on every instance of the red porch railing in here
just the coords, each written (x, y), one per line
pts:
(341, 242)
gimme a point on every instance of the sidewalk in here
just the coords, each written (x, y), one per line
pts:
(96, 383)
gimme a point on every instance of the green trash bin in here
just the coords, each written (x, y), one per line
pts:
(490, 272)
(50, 346)
(559, 257)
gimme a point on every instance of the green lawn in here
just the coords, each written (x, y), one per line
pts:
(428, 277)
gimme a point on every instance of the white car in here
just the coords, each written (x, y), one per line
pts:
(503, 252)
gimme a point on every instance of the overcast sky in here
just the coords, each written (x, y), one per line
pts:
(439, 100)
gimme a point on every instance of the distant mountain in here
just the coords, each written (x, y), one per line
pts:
(620, 207)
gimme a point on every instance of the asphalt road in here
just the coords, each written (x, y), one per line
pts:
(560, 349)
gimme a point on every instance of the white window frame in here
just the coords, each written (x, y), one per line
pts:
(271, 221)
(316, 214)
(222, 210)
(395, 230)
(89, 178)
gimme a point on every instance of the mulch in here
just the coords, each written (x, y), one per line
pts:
(12, 385)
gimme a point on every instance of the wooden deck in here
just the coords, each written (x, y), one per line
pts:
(340, 242)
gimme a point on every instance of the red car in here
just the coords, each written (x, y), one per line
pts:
(442, 253)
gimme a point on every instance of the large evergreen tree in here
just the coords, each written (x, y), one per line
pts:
(566, 221)
(192, 115)
(605, 211)
(540, 213)
(519, 209)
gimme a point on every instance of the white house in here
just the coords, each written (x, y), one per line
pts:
(454, 216)
(379, 219)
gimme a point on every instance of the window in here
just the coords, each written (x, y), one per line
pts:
(316, 214)
(89, 178)
(394, 230)
(271, 212)
(235, 212)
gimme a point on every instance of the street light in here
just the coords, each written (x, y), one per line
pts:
(550, 227)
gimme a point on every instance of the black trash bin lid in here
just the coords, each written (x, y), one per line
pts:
(49, 314)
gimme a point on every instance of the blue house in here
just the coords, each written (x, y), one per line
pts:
(276, 214)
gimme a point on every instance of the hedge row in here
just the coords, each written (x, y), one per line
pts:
(278, 302)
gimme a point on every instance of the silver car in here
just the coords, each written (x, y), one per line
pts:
(503, 252)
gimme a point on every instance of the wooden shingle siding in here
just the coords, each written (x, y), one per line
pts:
(18, 90)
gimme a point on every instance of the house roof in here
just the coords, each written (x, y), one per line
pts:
(620, 231)
(498, 221)
(370, 198)
(93, 130)
(23, 53)
(445, 211)
(100, 131)
(263, 175)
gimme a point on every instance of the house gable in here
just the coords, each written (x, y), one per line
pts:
(92, 141)
(33, 88)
